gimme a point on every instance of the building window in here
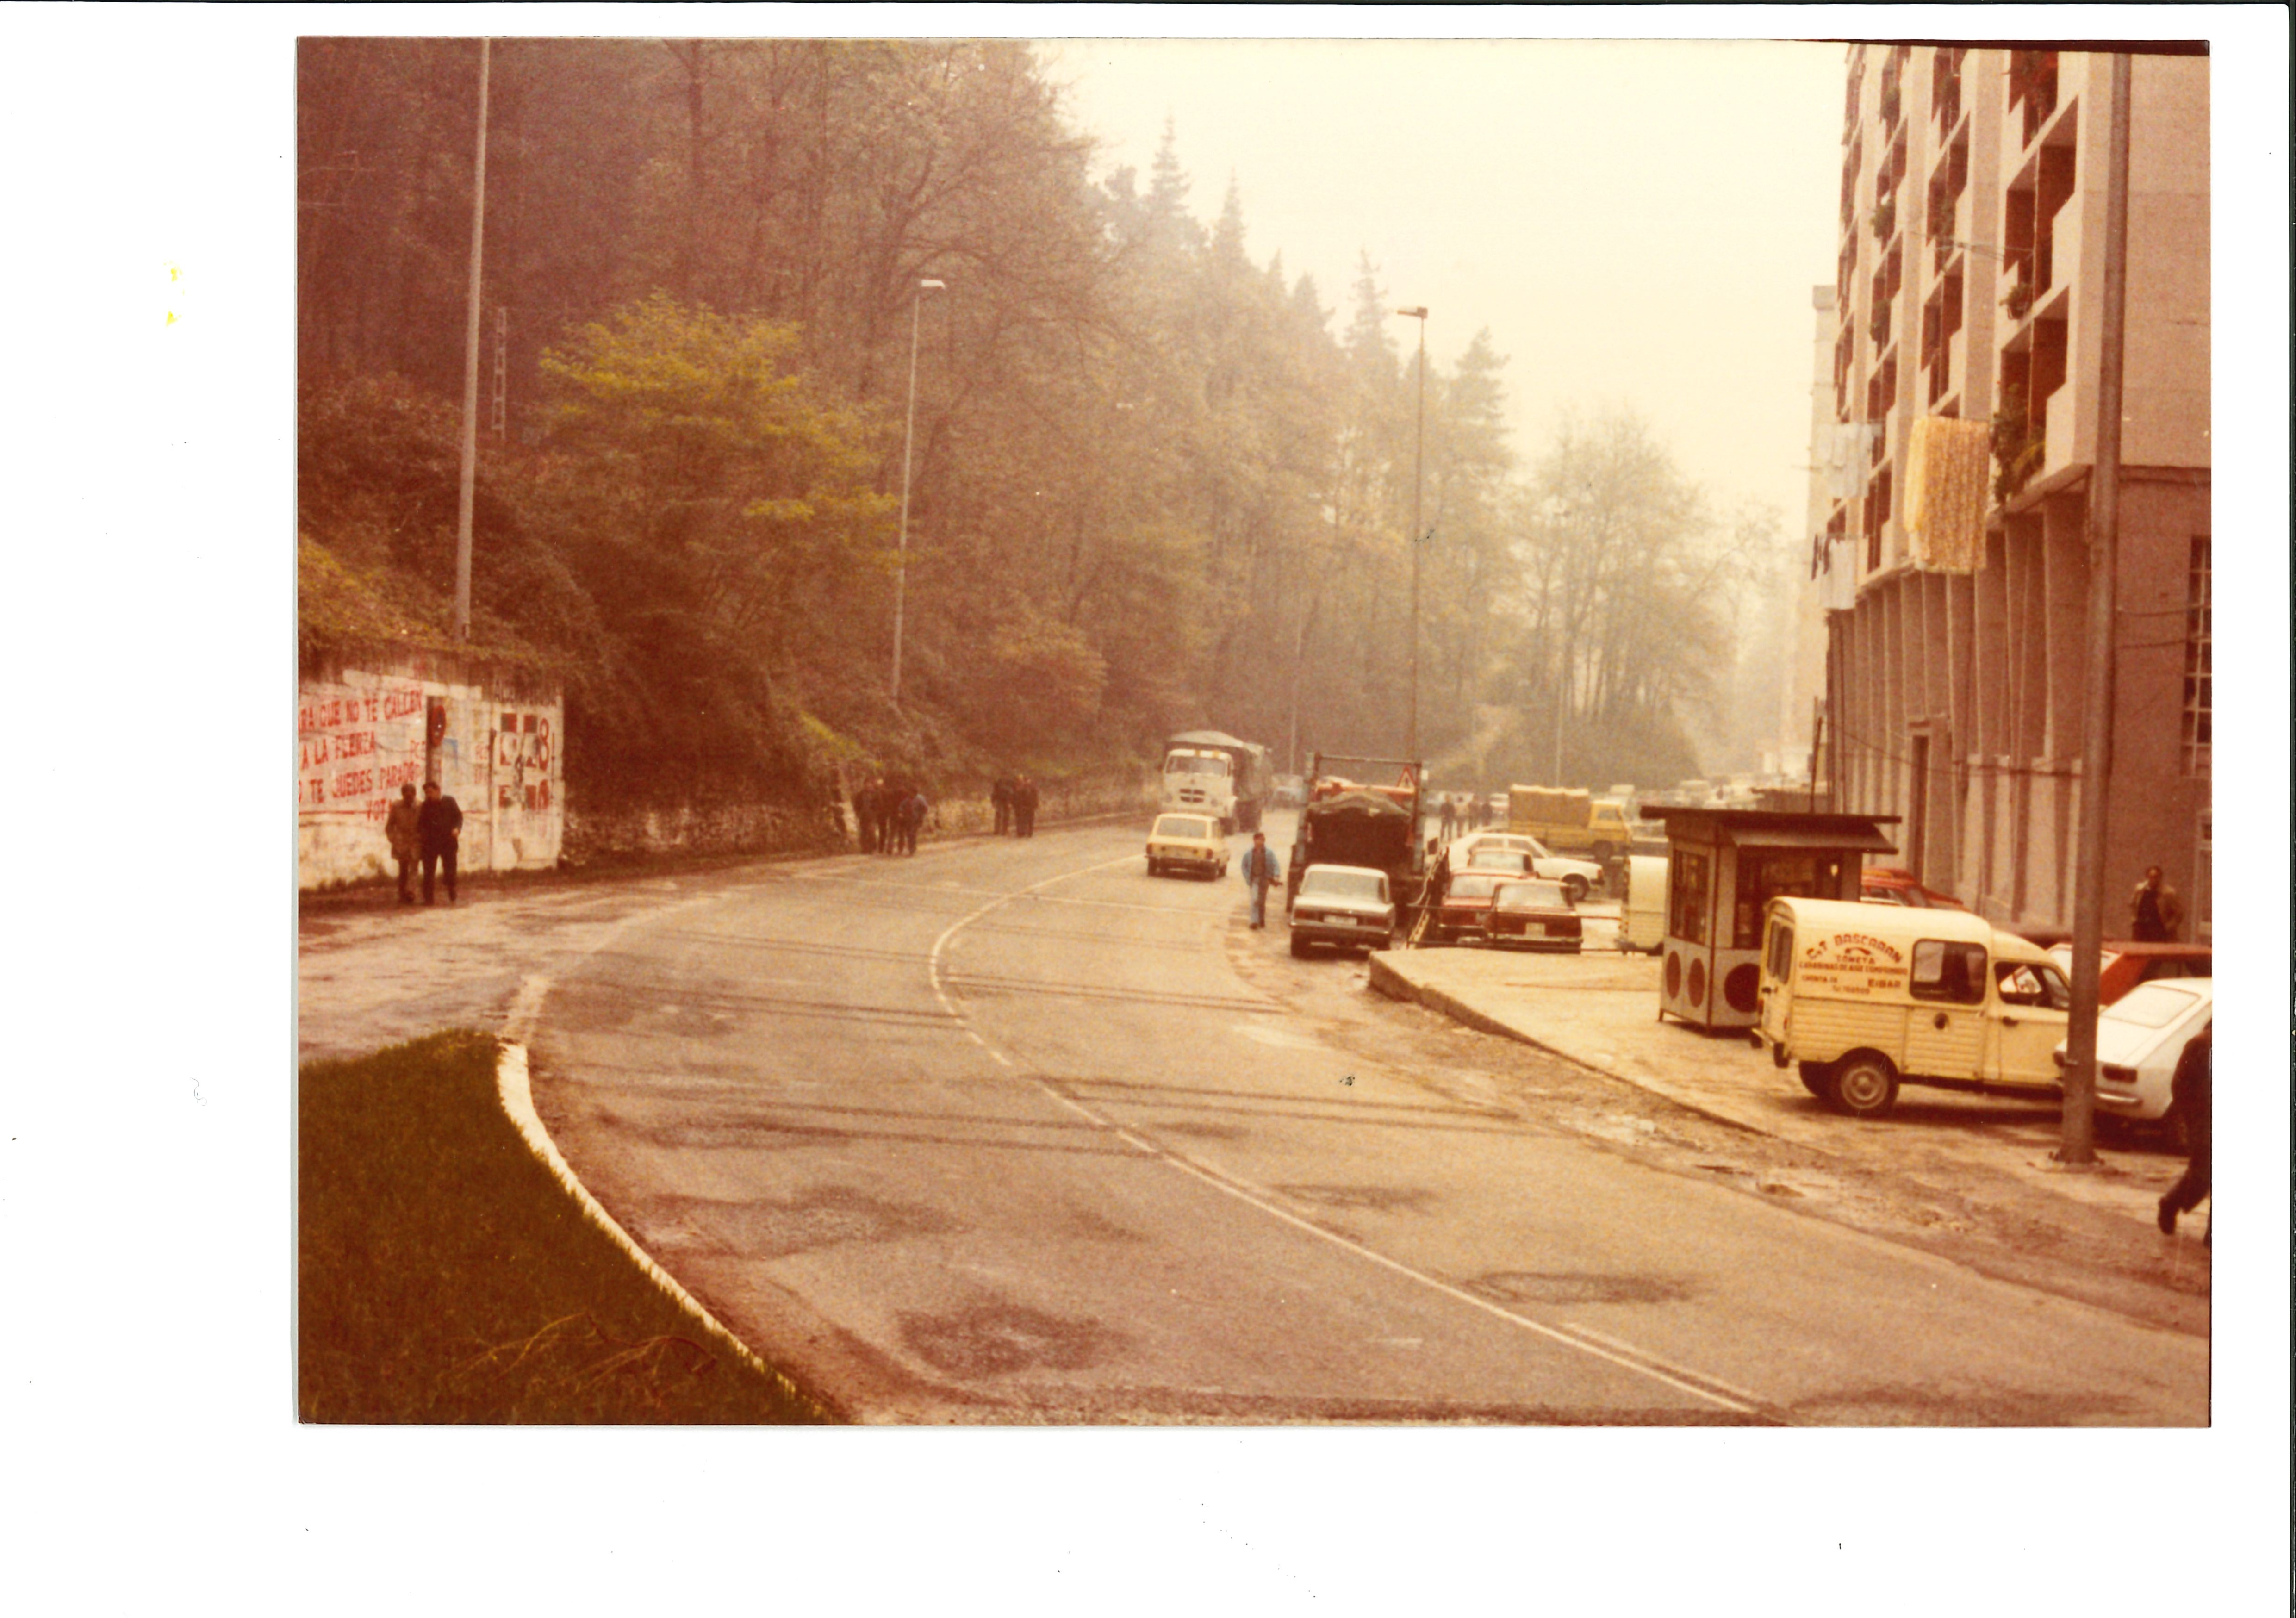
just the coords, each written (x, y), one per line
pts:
(2198, 661)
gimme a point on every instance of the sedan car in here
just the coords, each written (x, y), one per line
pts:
(1534, 916)
(1578, 877)
(1347, 907)
(1187, 842)
(2127, 964)
(1466, 905)
(2139, 1037)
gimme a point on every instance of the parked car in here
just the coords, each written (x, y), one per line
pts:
(1578, 877)
(1192, 843)
(1891, 885)
(2128, 963)
(1860, 997)
(1534, 916)
(1466, 905)
(2139, 1039)
(1347, 907)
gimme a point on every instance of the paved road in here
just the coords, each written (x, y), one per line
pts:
(1010, 1132)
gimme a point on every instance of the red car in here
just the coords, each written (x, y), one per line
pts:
(2127, 964)
(1534, 916)
(1466, 905)
(1892, 885)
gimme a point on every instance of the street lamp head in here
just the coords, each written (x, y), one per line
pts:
(932, 286)
(1418, 314)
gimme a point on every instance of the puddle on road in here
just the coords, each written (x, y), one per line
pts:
(1366, 1199)
(1534, 1287)
(777, 1228)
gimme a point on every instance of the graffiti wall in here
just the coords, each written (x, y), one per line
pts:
(362, 734)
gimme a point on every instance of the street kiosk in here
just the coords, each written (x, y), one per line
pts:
(1724, 868)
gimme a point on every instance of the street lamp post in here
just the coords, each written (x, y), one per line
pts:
(908, 436)
(1418, 487)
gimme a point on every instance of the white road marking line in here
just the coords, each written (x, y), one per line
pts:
(1628, 1348)
(1642, 1364)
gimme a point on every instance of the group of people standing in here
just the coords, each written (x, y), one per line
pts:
(431, 833)
(1014, 798)
(890, 817)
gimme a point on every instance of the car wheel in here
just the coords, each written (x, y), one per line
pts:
(1154, 869)
(1299, 945)
(1574, 889)
(1813, 1076)
(1864, 1084)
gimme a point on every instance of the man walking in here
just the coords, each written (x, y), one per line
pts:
(402, 826)
(1024, 808)
(865, 816)
(2189, 1100)
(2155, 913)
(1263, 868)
(1001, 795)
(438, 826)
(912, 818)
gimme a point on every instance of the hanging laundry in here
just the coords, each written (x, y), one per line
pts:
(1846, 452)
(1946, 464)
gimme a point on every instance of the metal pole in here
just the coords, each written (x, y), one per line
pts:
(1418, 487)
(2078, 1146)
(471, 365)
(908, 435)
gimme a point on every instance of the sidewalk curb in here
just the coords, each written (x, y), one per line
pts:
(514, 1085)
(1396, 986)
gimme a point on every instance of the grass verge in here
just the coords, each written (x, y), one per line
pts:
(444, 1276)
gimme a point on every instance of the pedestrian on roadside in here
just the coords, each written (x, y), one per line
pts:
(1024, 808)
(1263, 868)
(2190, 1101)
(2155, 912)
(1447, 823)
(402, 826)
(1001, 795)
(865, 816)
(912, 818)
(438, 826)
(889, 800)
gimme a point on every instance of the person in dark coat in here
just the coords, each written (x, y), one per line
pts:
(912, 818)
(439, 824)
(403, 827)
(2155, 912)
(865, 816)
(1024, 808)
(1001, 795)
(2189, 1098)
(889, 800)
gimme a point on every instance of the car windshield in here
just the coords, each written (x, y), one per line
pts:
(1194, 764)
(1181, 826)
(1340, 884)
(1533, 896)
(2152, 1004)
(1473, 887)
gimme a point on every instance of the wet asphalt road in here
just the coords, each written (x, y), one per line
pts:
(1010, 1132)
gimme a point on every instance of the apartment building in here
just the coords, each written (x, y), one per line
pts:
(1970, 287)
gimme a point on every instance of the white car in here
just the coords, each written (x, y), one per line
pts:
(1578, 876)
(1187, 842)
(1349, 907)
(2139, 1039)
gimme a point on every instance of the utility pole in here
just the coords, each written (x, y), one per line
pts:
(908, 434)
(2077, 1148)
(471, 365)
(1418, 487)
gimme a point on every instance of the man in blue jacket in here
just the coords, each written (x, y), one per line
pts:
(1263, 868)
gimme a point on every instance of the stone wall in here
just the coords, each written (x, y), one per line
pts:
(366, 726)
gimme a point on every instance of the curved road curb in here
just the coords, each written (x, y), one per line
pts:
(1396, 986)
(514, 1085)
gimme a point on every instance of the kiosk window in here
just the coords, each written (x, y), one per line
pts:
(1763, 877)
(1686, 898)
(1949, 972)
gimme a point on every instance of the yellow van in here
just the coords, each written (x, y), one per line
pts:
(1860, 996)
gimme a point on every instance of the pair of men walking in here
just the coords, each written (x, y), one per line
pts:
(431, 834)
